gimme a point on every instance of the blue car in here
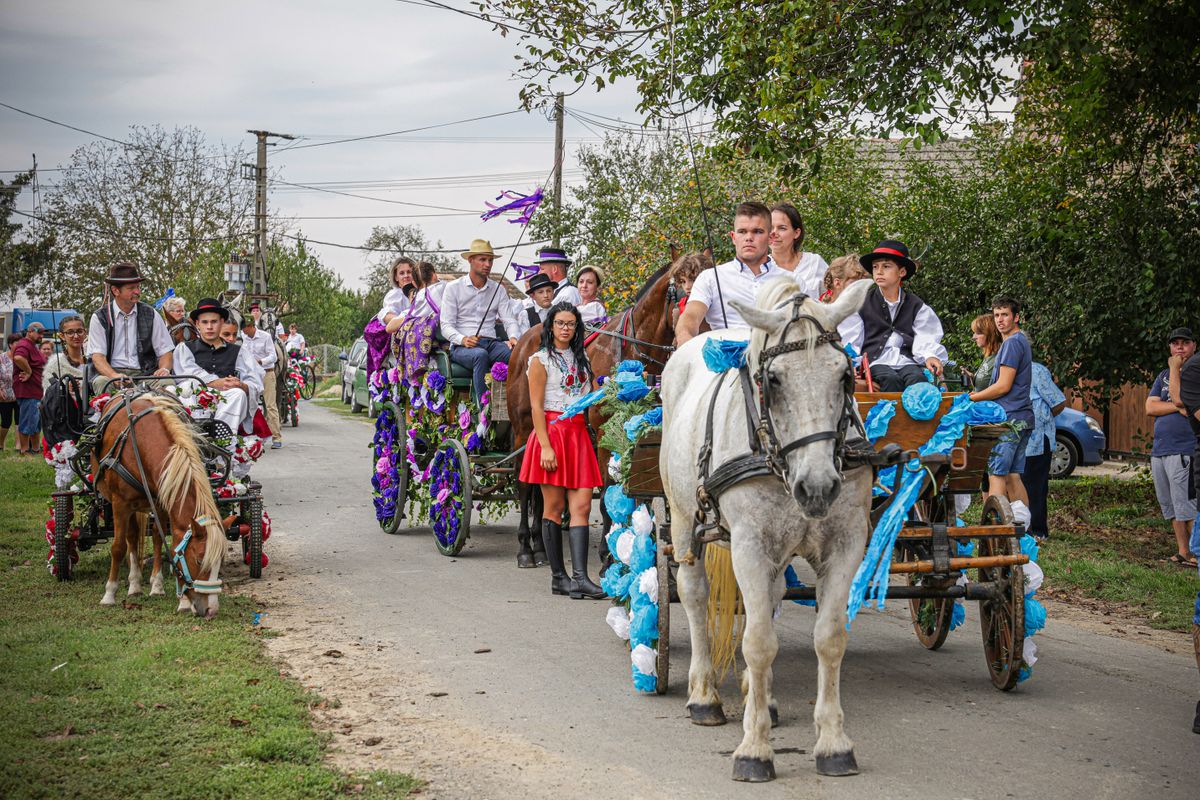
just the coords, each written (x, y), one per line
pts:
(1080, 441)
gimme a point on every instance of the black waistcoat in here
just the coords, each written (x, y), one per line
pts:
(534, 317)
(220, 362)
(145, 314)
(878, 324)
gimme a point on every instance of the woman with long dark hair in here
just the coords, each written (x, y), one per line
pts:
(559, 454)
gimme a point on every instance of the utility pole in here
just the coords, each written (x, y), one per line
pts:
(258, 269)
(558, 166)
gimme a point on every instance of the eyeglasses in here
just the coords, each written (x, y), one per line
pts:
(567, 323)
(74, 333)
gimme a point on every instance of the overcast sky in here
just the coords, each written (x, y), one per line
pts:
(304, 67)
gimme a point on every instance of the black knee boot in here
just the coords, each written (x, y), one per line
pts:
(552, 538)
(579, 552)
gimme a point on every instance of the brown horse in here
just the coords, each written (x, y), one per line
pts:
(171, 481)
(643, 332)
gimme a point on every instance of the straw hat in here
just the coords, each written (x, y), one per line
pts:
(479, 247)
(591, 268)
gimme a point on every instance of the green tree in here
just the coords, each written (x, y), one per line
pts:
(23, 254)
(392, 241)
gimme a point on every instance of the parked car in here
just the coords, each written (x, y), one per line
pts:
(353, 363)
(360, 398)
(1079, 441)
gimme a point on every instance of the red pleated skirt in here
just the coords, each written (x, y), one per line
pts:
(577, 465)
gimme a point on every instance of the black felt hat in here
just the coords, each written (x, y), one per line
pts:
(540, 281)
(893, 250)
(209, 305)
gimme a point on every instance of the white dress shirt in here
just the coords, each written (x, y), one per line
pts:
(810, 274)
(592, 311)
(125, 342)
(261, 347)
(420, 305)
(738, 282)
(464, 307)
(236, 408)
(295, 342)
(521, 317)
(395, 303)
(927, 338)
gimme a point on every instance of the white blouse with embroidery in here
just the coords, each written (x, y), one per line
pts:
(565, 382)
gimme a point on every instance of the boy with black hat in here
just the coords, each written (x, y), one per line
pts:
(228, 368)
(895, 331)
(126, 336)
(541, 294)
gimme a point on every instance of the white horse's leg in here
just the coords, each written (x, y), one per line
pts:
(754, 760)
(834, 751)
(704, 702)
(779, 587)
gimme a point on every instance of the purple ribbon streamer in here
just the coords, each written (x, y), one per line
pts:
(525, 271)
(527, 204)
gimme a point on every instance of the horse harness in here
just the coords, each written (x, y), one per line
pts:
(624, 334)
(767, 456)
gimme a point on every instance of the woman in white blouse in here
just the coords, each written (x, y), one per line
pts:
(72, 334)
(787, 241)
(396, 302)
(588, 280)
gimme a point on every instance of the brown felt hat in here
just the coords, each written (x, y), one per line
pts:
(123, 272)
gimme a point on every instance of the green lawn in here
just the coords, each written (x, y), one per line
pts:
(138, 701)
(1109, 542)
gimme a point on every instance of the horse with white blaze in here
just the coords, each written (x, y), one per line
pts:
(773, 434)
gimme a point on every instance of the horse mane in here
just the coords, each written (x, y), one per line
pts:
(183, 470)
(779, 292)
(649, 284)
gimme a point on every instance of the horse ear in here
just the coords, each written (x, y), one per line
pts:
(674, 252)
(849, 301)
(768, 320)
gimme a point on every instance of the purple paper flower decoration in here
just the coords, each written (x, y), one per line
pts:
(440, 500)
(525, 203)
(436, 380)
(464, 420)
(500, 371)
(473, 442)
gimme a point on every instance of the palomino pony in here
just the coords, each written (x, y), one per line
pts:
(148, 460)
(797, 502)
(643, 331)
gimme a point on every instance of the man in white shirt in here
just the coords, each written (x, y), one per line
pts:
(228, 368)
(553, 263)
(734, 280)
(471, 306)
(126, 336)
(895, 331)
(541, 292)
(262, 349)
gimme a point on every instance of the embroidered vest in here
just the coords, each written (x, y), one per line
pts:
(147, 360)
(878, 324)
(221, 362)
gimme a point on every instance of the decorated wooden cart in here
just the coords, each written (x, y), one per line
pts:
(941, 560)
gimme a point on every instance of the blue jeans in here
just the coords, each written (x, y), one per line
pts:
(1008, 454)
(479, 360)
(1194, 542)
(29, 420)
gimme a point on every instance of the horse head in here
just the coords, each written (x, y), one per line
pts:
(806, 386)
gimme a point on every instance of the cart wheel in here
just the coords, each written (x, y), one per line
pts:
(64, 512)
(663, 662)
(295, 416)
(254, 541)
(450, 479)
(310, 383)
(1003, 619)
(930, 615)
(392, 414)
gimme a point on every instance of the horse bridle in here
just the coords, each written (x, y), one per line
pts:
(626, 322)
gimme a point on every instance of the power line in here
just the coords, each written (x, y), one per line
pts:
(376, 199)
(409, 130)
(306, 240)
(131, 236)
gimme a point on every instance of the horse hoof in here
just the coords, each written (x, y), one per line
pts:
(706, 715)
(774, 715)
(753, 770)
(837, 765)
(525, 561)
(539, 558)
(108, 601)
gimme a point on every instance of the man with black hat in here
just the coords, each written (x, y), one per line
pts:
(553, 263)
(126, 336)
(541, 294)
(895, 331)
(228, 368)
(1171, 455)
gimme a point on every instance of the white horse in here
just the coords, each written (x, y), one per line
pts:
(812, 509)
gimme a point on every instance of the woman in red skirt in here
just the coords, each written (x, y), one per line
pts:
(559, 454)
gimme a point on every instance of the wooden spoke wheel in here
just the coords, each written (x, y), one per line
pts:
(663, 567)
(64, 513)
(1002, 619)
(391, 414)
(310, 382)
(930, 616)
(450, 495)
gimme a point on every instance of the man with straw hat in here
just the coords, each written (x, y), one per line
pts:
(126, 336)
(471, 307)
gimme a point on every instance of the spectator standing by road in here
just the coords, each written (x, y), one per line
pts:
(27, 386)
(8, 401)
(68, 363)
(1047, 400)
(1184, 387)
(1171, 455)
(261, 348)
(1011, 381)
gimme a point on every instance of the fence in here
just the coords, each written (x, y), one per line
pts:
(325, 359)
(1129, 431)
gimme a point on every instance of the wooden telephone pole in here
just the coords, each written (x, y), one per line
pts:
(258, 269)
(558, 166)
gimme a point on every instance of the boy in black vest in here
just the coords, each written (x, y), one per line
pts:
(228, 368)
(898, 335)
(126, 336)
(541, 293)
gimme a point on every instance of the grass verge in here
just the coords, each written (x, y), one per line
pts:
(138, 701)
(1109, 542)
(336, 405)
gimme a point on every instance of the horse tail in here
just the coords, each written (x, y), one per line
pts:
(183, 474)
(726, 614)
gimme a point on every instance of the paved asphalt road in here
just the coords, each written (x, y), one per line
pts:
(1101, 718)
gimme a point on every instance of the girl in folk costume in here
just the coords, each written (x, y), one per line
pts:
(415, 332)
(395, 303)
(559, 454)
